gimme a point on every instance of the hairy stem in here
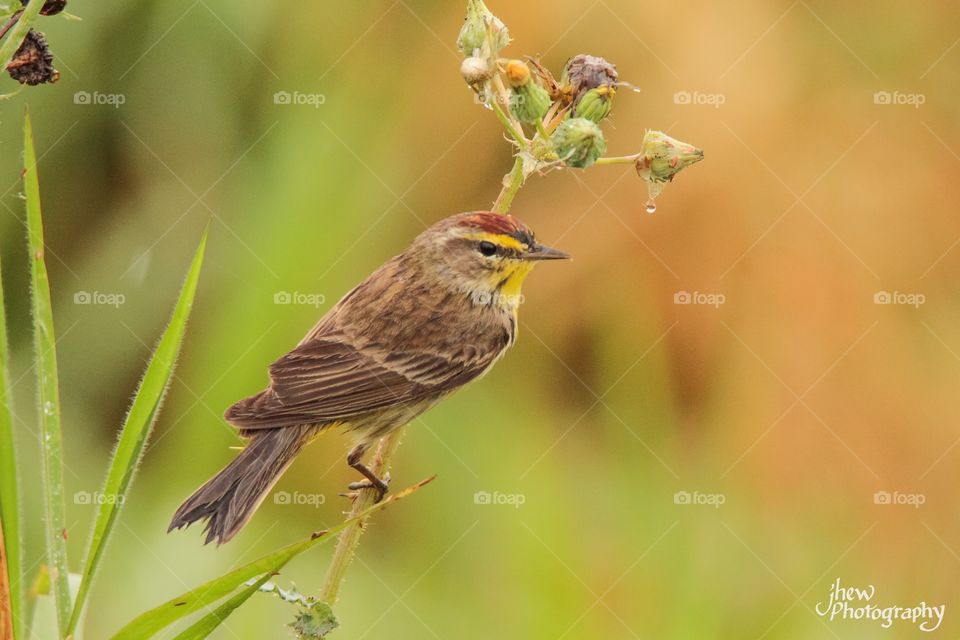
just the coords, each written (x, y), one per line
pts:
(349, 538)
(511, 185)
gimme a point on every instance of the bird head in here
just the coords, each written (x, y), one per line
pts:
(484, 254)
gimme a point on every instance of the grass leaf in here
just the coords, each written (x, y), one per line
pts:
(48, 396)
(11, 532)
(206, 625)
(151, 622)
(136, 430)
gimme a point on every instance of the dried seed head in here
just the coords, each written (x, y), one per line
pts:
(32, 64)
(50, 7)
(584, 72)
(478, 25)
(578, 142)
(475, 70)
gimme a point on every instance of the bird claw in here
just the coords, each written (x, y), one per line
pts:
(380, 486)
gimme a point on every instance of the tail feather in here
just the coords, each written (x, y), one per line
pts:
(229, 499)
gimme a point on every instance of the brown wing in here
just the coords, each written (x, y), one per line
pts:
(328, 380)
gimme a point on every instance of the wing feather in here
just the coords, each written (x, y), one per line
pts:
(327, 379)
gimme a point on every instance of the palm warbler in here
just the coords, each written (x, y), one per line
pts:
(424, 324)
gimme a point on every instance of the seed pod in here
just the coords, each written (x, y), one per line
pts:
(32, 64)
(663, 157)
(579, 142)
(596, 103)
(584, 72)
(473, 33)
(529, 103)
(50, 7)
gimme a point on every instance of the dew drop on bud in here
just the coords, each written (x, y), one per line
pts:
(651, 205)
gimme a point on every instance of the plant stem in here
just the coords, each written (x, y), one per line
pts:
(349, 538)
(12, 43)
(618, 159)
(511, 185)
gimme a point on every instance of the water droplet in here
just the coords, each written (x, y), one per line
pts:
(651, 206)
(48, 408)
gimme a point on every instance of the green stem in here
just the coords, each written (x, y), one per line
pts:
(15, 37)
(618, 159)
(508, 125)
(511, 185)
(349, 538)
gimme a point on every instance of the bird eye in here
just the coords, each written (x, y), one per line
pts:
(487, 248)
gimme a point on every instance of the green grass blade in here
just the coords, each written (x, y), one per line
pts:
(136, 430)
(149, 623)
(208, 623)
(44, 343)
(10, 485)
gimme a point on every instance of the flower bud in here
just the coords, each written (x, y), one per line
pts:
(663, 157)
(517, 72)
(475, 70)
(474, 33)
(529, 102)
(579, 142)
(596, 103)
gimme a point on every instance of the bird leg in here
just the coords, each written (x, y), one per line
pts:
(372, 481)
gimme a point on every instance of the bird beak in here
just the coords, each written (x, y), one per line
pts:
(540, 252)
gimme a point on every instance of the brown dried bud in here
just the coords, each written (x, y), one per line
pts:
(50, 7)
(33, 62)
(584, 72)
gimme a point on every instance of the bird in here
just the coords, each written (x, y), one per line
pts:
(428, 321)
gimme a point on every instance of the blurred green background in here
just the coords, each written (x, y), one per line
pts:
(796, 400)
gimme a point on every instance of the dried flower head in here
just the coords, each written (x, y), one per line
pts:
(50, 7)
(585, 72)
(32, 64)
(475, 71)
